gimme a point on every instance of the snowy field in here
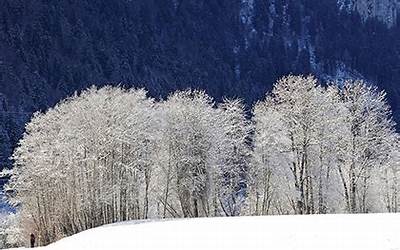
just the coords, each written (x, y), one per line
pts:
(367, 232)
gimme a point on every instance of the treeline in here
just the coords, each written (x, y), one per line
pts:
(112, 154)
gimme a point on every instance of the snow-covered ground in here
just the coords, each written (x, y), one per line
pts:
(339, 232)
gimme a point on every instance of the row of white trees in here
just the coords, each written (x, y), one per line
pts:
(324, 149)
(110, 155)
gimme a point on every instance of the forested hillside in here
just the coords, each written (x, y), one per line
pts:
(238, 48)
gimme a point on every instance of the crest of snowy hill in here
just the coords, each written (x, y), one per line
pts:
(328, 232)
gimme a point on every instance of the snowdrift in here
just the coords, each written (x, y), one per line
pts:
(373, 231)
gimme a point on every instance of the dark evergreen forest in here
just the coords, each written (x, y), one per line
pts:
(50, 49)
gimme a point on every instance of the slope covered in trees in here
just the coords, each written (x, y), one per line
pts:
(49, 50)
(111, 154)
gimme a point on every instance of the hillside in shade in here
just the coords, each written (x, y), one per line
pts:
(49, 50)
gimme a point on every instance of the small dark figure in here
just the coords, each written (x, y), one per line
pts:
(32, 240)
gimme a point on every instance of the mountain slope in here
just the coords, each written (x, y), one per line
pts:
(384, 10)
(345, 232)
(237, 48)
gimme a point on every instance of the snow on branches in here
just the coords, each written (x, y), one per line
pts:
(112, 154)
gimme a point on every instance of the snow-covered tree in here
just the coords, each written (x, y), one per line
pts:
(235, 155)
(10, 231)
(111, 154)
(388, 182)
(314, 145)
(367, 138)
(297, 99)
(271, 155)
(188, 139)
(85, 163)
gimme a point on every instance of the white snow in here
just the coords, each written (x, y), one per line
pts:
(321, 232)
